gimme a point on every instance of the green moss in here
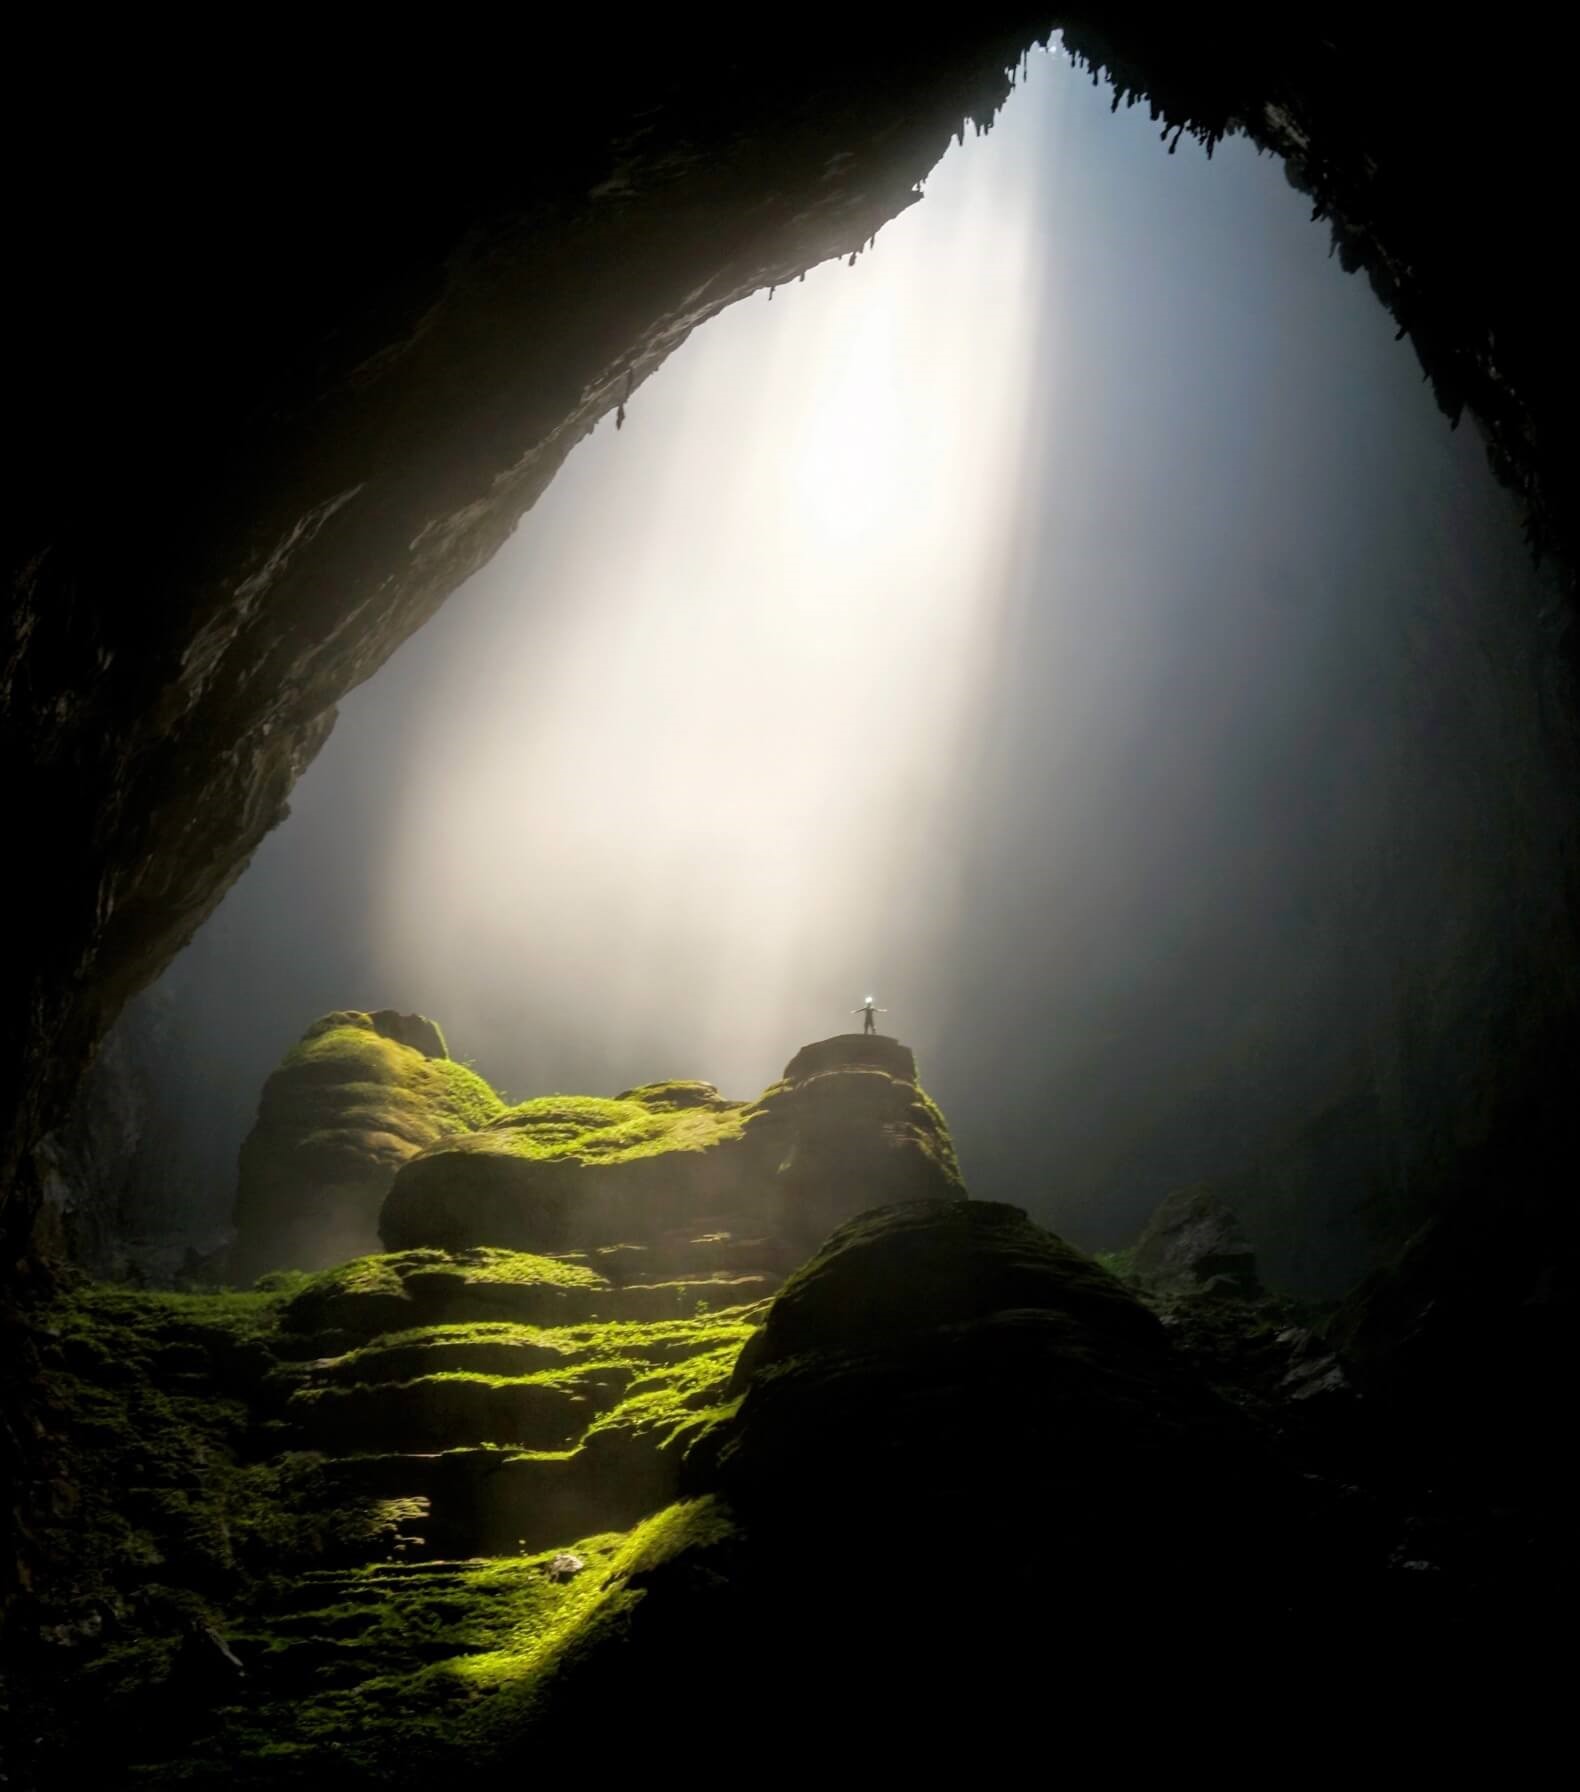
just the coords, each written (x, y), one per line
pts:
(609, 1130)
(936, 1139)
(377, 1282)
(678, 1092)
(190, 1518)
(398, 1673)
(157, 1398)
(536, 1648)
(675, 1400)
(284, 1282)
(652, 1381)
(397, 1355)
(366, 1073)
(119, 1317)
(465, 1094)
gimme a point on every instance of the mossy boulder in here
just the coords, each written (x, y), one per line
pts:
(847, 1127)
(967, 1473)
(356, 1097)
(957, 1359)
(398, 1290)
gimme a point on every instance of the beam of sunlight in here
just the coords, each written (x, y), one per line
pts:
(699, 764)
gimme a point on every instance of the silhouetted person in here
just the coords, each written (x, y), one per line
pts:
(870, 1021)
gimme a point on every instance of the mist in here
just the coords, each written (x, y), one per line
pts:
(1073, 623)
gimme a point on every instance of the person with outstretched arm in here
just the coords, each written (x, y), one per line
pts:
(871, 1013)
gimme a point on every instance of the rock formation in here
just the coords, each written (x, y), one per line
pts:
(104, 1176)
(274, 410)
(847, 1126)
(435, 1511)
(351, 1102)
(1195, 1241)
(340, 1436)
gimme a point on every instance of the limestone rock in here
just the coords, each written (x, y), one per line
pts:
(847, 1128)
(967, 1462)
(1194, 1240)
(416, 1030)
(955, 1359)
(359, 1095)
(370, 1295)
(853, 1051)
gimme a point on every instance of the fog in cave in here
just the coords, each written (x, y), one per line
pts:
(1071, 623)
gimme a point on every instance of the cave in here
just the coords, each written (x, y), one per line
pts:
(754, 1405)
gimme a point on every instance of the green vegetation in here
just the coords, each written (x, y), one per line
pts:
(673, 1401)
(935, 1139)
(558, 1387)
(678, 1092)
(403, 1288)
(1119, 1263)
(480, 1345)
(374, 1083)
(387, 1675)
(204, 1517)
(611, 1130)
(161, 1400)
(357, 1480)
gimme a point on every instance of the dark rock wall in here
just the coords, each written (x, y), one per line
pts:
(109, 1200)
(1441, 172)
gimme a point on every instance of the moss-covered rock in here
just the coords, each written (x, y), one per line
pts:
(969, 1478)
(349, 1104)
(265, 1478)
(935, 1359)
(847, 1127)
(374, 1526)
(392, 1674)
(398, 1290)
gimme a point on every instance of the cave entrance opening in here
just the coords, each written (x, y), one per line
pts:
(985, 619)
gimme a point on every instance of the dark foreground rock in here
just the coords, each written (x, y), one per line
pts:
(957, 1496)
(956, 1370)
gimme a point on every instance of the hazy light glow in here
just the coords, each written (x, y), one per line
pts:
(709, 757)
(1112, 653)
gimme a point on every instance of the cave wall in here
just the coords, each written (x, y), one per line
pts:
(304, 340)
(112, 1197)
(305, 336)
